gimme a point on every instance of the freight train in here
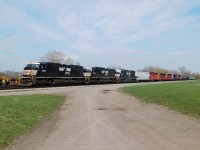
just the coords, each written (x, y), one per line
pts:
(47, 73)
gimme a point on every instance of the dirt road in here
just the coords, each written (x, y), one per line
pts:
(102, 118)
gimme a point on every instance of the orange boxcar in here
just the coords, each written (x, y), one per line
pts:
(169, 77)
(154, 76)
(163, 76)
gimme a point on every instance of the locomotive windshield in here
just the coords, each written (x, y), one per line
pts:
(32, 66)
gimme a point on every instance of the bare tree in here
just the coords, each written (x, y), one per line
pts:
(58, 57)
(174, 71)
(54, 56)
(182, 70)
(13, 74)
(114, 67)
(196, 76)
(69, 61)
(155, 69)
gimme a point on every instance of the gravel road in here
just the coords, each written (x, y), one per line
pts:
(102, 118)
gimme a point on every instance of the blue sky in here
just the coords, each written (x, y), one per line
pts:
(131, 34)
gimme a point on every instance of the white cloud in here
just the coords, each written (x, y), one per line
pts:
(112, 22)
(116, 23)
(138, 52)
(45, 32)
(84, 46)
(9, 44)
(74, 57)
(1, 56)
(180, 53)
(26, 23)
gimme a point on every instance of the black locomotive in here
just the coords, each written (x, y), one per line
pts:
(46, 73)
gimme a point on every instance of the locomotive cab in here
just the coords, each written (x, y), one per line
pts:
(31, 69)
(29, 74)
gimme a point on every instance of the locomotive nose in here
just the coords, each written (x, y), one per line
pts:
(27, 72)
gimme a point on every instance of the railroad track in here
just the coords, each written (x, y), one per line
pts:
(9, 87)
(16, 87)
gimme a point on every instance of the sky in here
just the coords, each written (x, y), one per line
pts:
(130, 34)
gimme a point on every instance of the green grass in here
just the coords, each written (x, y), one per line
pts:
(183, 97)
(19, 114)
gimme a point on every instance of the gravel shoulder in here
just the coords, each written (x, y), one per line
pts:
(102, 118)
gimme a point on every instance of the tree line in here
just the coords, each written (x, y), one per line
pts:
(59, 57)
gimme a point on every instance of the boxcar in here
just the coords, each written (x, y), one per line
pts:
(163, 76)
(142, 76)
(180, 77)
(169, 77)
(154, 76)
(175, 77)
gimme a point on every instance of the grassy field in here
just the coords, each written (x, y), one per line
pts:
(183, 97)
(19, 114)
